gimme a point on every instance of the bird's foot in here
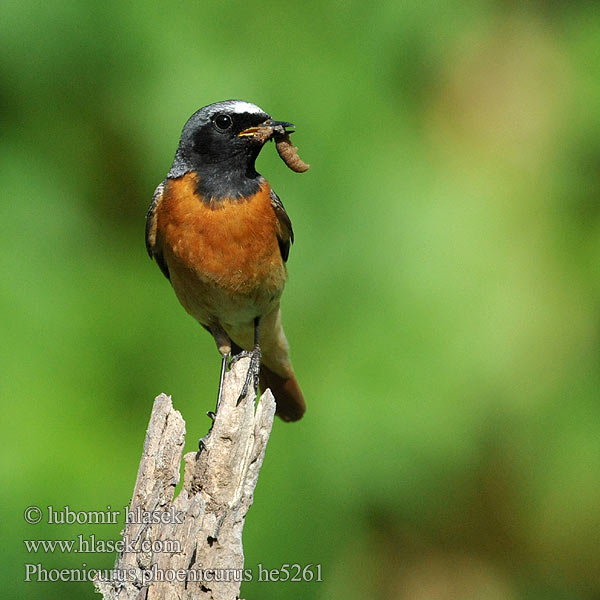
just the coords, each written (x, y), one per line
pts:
(239, 355)
(253, 371)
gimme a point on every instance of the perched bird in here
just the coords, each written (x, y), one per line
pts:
(221, 236)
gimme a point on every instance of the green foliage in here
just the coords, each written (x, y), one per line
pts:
(442, 305)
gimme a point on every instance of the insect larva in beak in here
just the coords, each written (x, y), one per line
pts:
(289, 154)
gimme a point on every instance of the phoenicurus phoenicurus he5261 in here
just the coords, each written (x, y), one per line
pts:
(221, 236)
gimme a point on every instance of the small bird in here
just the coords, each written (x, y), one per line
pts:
(221, 236)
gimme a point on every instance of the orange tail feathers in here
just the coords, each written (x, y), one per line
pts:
(288, 397)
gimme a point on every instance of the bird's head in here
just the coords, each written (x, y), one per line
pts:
(229, 133)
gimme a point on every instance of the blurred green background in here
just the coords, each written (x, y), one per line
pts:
(442, 305)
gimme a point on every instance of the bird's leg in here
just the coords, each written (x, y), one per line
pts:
(224, 345)
(254, 368)
(222, 378)
(212, 414)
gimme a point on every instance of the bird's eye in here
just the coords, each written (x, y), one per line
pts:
(223, 122)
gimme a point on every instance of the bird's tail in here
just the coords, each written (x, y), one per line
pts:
(288, 397)
(276, 371)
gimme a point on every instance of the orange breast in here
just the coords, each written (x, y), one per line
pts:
(222, 257)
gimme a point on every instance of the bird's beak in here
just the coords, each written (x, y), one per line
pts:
(265, 131)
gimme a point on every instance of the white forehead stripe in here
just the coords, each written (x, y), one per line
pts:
(239, 106)
(246, 107)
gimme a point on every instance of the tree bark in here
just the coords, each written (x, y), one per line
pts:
(195, 550)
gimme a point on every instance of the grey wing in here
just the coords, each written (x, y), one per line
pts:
(285, 233)
(154, 251)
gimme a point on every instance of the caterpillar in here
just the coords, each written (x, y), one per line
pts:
(289, 154)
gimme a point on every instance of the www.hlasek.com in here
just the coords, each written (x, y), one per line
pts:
(286, 572)
(93, 545)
